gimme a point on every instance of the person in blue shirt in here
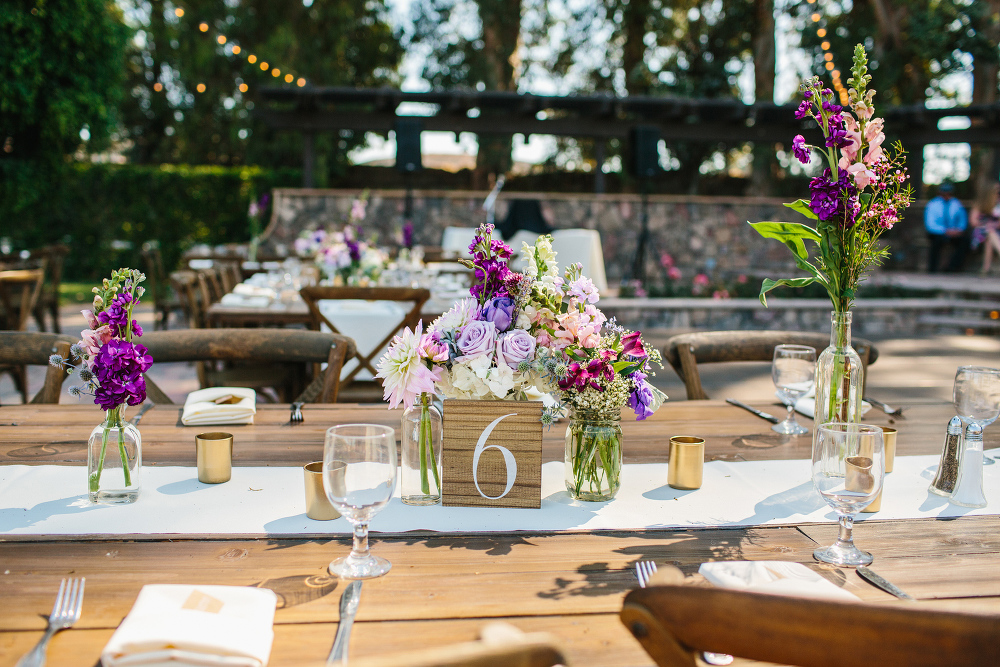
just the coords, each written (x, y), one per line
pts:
(946, 224)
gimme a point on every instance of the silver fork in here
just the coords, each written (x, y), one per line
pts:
(65, 612)
(296, 417)
(645, 569)
(886, 408)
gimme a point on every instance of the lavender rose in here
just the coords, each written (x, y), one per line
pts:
(514, 347)
(499, 311)
(477, 338)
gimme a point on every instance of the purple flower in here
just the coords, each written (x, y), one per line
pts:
(836, 135)
(641, 398)
(831, 107)
(499, 311)
(580, 376)
(834, 199)
(491, 277)
(119, 367)
(408, 235)
(805, 109)
(514, 347)
(116, 315)
(807, 94)
(800, 149)
(476, 339)
(632, 344)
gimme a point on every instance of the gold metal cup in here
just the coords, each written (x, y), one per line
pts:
(215, 457)
(876, 504)
(889, 438)
(318, 506)
(687, 461)
(859, 474)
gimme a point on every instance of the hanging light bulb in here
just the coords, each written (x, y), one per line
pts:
(203, 26)
(236, 49)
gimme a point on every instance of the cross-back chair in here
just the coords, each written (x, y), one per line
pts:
(417, 296)
(19, 349)
(289, 351)
(185, 284)
(48, 299)
(165, 299)
(676, 622)
(685, 351)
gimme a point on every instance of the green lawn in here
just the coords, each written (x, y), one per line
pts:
(71, 293)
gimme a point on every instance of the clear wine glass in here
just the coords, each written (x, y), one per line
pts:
(848, 465)
(794, 373)
(976, 395)
(360, 489)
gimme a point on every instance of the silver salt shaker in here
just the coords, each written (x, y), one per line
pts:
(951, 460)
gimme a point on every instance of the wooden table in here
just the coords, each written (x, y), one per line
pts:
(443, 588)
(292, 314)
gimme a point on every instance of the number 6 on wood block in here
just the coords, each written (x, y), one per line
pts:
(492, 454)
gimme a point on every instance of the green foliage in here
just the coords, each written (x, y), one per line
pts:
(106, 212)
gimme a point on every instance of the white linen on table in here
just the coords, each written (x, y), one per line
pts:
(775, 577)
(176, 624)
(43, 500)
(201, 410)
(367, 322)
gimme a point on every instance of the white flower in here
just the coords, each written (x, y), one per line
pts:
(404, 374)
(460, 314)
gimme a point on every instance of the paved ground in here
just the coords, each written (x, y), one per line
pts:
(907, 369)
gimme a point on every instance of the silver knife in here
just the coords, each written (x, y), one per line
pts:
(348, 608)
(759, 413)
(148, 405)
(882, 583)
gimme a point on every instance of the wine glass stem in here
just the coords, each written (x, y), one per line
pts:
(790, 418)
(845, 538)
(360, 549)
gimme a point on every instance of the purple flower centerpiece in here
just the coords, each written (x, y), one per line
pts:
(112, 369)
(861, 192)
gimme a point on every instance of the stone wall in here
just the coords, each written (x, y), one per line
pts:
(702, 234)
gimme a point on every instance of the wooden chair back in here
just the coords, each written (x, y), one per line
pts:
(675, 622)
(256, 346)
(159, 285)
(685, 351)
(19, 349)
(48, 300)
(185, 284)
(417, 296)
(19, 290)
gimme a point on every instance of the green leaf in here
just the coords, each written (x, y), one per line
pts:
(792, 234)
(769, 285)
(802, 206)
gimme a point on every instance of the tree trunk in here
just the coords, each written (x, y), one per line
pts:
(635, 19)
(501, 21)
(761, 177)
(984, 91)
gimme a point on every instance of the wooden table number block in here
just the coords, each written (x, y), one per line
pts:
(492, 454)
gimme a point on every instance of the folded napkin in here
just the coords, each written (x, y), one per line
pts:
(199, 409)
(211, 626)
(807, 404)
(775, 577)
(235, 300)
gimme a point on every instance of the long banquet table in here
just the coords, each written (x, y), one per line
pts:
(444, 587)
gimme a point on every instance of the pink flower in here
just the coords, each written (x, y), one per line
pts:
(701, 280)
(91, 319)
(875, 137)
(404, 374)
(432, 349)
(674, 273)
(575, 330)
(850, 150)
(864, 110)
(515, 346)
(92, 340)
(666, 261)
(862, 174)
(632, 344)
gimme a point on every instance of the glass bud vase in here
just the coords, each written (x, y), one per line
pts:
(420, 450)
(114, 460)
(839, 377)
(593, 456)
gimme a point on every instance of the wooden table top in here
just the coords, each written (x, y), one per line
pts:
(443, 588)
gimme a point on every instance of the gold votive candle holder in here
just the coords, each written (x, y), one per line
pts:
(318, 506)
(687, 462)
(889, 438)
(215, 457)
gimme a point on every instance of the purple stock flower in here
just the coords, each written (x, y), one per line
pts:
(408, 235)
(805, 109)
(491, 277)
(499, 311)
(836, 136)
(834, 199)
(642, 398)
(118, 368)
(800, 149)
(116, 315)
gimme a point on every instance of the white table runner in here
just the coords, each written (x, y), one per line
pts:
(44, 500)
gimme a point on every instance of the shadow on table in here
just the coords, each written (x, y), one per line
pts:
(20, 517)
(802, 499)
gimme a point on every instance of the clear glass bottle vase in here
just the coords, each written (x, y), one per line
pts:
(114, 460)
(420, 451)
(593, 456)
(839, 376)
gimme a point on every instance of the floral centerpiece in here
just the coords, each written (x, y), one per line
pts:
(255, 215)
(521, 333)
(111, 371)
(344, 256)
(860, 194)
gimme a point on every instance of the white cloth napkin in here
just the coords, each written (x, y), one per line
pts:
(199, 410)
(235, 300)
(807, 404)
(212, 626)
(775, 577)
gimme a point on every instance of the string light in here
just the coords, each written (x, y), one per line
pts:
(838, 86)
(221, 39)
(200, 87)
(825, 46)
(288, 78)
(244, 87)
(178, 12)
(264, 65)
(300, 83)
(821, 32)
(816, 17)
(157, 86)
(203, 26)
(251, 59)
(236, 49)
(275, 72)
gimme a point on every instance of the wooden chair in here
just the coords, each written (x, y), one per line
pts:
(313, 295)
(686, 351)
(675, 622)
(19, 349)
(48, 299)
(185, 284)
(19, 290)
(500, 645)
(286, 350)
(165, 299)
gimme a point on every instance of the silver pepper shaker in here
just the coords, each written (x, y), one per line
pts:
(969, 487)
(951, 459)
